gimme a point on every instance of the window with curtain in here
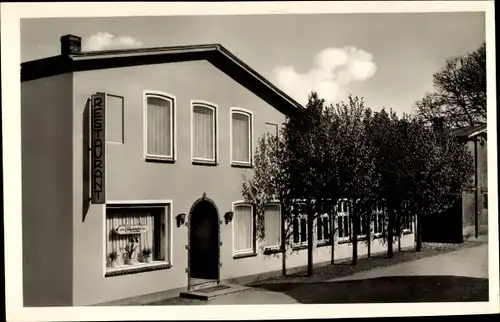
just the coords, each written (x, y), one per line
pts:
(272, 225)
(243, 229)
(343, 220)
(241, 137)
(203, 132)
(323, 228)
(159, 126)
(133, 232)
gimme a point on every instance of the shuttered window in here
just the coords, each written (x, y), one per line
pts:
(272, 225)
(159, 126)
(203, 132)
(241, 137)
(243, 229)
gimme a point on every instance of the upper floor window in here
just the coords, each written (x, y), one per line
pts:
(115, 109)
(272, 129)
(241, 137)
(204, 132)
(159, 124)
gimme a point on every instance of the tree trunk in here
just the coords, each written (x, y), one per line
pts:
(369, 235)
(283, 244)
(390, 225)
(355, 226)
(332, 237)
(310, 244)
(418, 234)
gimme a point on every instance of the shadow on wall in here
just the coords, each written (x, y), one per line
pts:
(393, 289)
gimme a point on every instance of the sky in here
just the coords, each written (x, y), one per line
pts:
(386, 58)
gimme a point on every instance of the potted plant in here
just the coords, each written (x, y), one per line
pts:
(129, 251)
(112, 258)
(146, 255)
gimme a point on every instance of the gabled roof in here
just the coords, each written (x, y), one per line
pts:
(469, 131)
(216, 54)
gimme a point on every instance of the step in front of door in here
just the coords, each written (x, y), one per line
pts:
(206, 293)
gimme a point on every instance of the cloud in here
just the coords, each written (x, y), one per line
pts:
(332, 71)
(104, 40)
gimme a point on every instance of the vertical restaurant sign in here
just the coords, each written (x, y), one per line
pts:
(98, 159)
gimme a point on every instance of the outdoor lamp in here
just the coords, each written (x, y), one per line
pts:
(181, 218)
(228, 217)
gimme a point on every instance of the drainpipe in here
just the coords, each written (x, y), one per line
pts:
(476, 196)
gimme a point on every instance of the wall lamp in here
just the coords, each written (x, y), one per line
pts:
(180, 218)
(228, 217)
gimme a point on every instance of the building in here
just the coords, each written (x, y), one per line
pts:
(469, 218)
(142, 152)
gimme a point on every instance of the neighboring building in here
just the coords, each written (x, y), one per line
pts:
(180, 126)
(475, 201)
(469, 218)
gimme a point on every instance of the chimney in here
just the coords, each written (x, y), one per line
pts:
(71, 44)
(438, 124)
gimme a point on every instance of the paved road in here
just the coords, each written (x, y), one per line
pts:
(468, 262)
(426, 274)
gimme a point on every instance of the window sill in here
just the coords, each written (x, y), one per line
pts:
(299, 247)
(138, 268)
(323, 244)
(159, 159)
(270, 251)
(205, 163)
(344, 241)
(407, 232)
(238, 256)
(242, 165)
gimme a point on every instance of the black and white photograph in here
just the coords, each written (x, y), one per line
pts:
(203, 157)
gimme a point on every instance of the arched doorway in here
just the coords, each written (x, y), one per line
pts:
(204, 245)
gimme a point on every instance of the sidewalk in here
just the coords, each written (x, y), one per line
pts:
(335, 283)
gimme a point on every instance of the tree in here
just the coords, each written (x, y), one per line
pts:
(269, 183)
(296, 169)
(354, 162)
(460, 95)
(307, 163)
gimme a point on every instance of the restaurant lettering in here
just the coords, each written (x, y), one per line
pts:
(98, 148)
(131, 229)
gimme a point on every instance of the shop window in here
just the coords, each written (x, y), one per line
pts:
(114, 119)
(204, 132)
(160, 126)
(137, 236)
(241, 137)
(243, 229)
(272, 226)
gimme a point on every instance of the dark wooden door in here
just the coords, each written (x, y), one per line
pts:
(204, 242)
